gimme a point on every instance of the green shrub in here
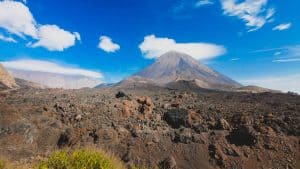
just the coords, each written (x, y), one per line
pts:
(80, 159)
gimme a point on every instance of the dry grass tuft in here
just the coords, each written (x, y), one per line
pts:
(81, 159)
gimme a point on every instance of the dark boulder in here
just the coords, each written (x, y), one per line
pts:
(121, 94)
(181, 117)
(242, 135)
(168, 163)
(176, 117)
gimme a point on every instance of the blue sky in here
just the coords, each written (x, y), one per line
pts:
(251, 41)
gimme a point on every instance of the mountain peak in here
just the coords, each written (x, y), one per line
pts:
(177, 60)
(174, 55)
(173, 66)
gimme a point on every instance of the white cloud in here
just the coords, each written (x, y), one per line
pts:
(282, 27)
(54, 38)
(277, 53)
(287, 60)
(49, 67)
(77, 36)
(107, 44)
(235, 59)
(17, 19)
(200, 3)
(288, 54)
(7, 39)
(284, 83)
(153, 47)
(253, 12)
(267, 50)
(283, 54)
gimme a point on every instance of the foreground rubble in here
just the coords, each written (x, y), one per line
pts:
(154, 127)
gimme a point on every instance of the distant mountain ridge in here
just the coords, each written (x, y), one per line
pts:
(53, 80)
(174, 66)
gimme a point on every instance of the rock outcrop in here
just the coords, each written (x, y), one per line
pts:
(6, 80)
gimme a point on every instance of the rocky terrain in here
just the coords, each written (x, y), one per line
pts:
(164, 127)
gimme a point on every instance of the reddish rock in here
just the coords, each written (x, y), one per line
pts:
(265, 130)
(222, 124)
(175, 104)
(146, 106)
(127, 108)
(193, 118)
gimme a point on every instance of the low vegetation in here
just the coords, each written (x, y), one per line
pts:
(2, 164)
(6, 164)
(81, 159)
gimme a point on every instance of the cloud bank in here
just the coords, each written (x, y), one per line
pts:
(16, 18)
(283, 83)
(49, 67)
(153, 47)
(253, 12)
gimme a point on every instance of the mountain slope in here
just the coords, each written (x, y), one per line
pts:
(174, 66)
(28, 84)
(6, 80)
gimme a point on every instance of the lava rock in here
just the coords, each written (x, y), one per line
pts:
(243, 135)
(183, 136)
(127, 156)
(216, 154)
(64, 139)
(176, 117)
(121, 94)
(168, 163)
(78, 117)
(222, 124)
(181, 117)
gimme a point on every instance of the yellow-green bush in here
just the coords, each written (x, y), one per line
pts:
(2, 164)
(81, 159)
